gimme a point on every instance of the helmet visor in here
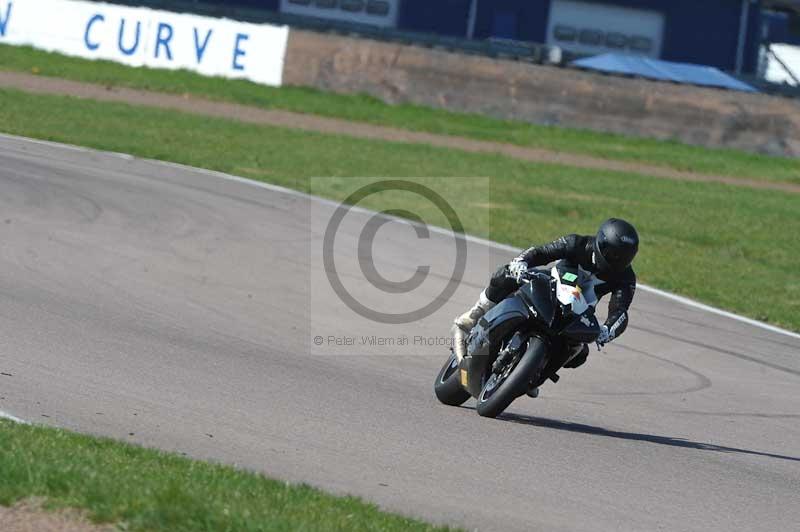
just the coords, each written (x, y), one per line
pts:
(618, 256)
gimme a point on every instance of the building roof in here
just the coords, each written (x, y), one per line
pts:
(646, 67)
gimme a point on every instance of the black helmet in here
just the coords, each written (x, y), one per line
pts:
(615, 246)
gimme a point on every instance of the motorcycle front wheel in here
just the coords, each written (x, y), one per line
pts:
(500, 389)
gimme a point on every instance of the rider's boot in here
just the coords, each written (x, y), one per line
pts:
(578, 360)
(463, 324)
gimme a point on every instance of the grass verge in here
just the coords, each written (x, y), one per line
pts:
(728, 246)
(145, 489)
(367, 109)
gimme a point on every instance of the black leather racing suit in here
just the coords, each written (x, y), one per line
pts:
(577, 250)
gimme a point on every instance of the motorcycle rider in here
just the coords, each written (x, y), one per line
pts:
(607, 256)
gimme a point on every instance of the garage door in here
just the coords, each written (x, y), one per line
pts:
(587, 28)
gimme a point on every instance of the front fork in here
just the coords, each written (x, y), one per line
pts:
(515, 347)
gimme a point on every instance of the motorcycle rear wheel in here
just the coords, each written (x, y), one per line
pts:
(496, 396)
(447, 387)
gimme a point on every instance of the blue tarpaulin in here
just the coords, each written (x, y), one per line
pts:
(662, 70)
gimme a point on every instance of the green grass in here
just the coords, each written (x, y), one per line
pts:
(145, 489)
(729, 246)
(367, 109)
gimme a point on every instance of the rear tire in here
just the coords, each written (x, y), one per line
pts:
(492, 403)
(447, 386)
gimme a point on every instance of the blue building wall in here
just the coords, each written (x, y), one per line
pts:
(525, 20)
(703, 32)
(782, 29)
(444, 17)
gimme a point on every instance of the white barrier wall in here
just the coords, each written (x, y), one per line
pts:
(139, 36)
(783, 64)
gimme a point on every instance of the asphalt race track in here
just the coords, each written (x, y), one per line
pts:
(176, 309)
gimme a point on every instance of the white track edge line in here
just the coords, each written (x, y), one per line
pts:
(6, 415)
(477, 240)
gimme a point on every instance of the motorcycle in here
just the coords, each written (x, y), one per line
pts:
(523, 341)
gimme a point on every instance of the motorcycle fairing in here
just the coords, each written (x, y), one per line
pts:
(482, 343)
(580, 324)
(585, 329)
(538, 296)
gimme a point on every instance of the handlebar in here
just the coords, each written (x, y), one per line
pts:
(532, 274)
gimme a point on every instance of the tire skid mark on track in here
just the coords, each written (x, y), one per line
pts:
(737, 414)
(703, 382)
(720, 350)
(65, 194)
(725, 330)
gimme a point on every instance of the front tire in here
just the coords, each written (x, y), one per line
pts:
(496, 396)
(447, 386)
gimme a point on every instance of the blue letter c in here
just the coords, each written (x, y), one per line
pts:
(91, 45)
